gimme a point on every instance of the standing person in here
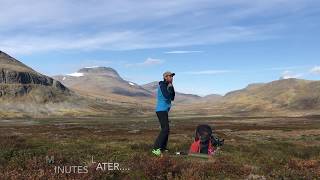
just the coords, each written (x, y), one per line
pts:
(165, 95)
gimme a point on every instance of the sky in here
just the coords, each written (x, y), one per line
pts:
(213, 46)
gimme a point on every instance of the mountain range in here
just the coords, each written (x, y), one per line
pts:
(102, 91)
(25, 92)
(294, 97)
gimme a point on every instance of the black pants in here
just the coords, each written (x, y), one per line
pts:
(162, 140)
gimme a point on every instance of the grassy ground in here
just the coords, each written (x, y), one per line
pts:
(263, 148)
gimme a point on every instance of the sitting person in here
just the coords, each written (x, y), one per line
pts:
(205, 142)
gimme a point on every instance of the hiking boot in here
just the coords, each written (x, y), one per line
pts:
(156, 152)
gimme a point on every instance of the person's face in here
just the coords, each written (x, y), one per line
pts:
(169, 78)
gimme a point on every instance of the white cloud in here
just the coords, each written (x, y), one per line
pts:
(90, 67)
(285, 68)
(128, 40)
(315, 70)
(29, 44)
(151, 61)
(37, 26)
(289, 75)
(148, 62)
(182, 52)
(208, 72)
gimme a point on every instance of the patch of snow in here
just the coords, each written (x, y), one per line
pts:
(131, 83)
(76, 74)
(64, 78)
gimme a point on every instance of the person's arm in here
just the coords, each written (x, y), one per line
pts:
(171, 91)
(165, 91)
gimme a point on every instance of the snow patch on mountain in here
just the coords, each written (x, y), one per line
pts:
(76, 74)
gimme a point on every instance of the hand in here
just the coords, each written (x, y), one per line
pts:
(170, 88)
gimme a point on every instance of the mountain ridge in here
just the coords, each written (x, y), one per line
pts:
(105, 82)
(100, 90)
(279, 97)
(27, 93)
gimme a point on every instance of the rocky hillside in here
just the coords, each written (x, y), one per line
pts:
(18, 80)
(281, 97)
(105, 82)
(212, 98)
(287, 94)
(152, 86)
(25, 92)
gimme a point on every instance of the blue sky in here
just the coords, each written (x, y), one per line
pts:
(213, 46)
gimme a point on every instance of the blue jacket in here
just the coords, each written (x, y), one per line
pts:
(165, 95)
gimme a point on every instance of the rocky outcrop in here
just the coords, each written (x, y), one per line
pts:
(17, 79)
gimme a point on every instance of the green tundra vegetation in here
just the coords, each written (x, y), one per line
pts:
(255, 148)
